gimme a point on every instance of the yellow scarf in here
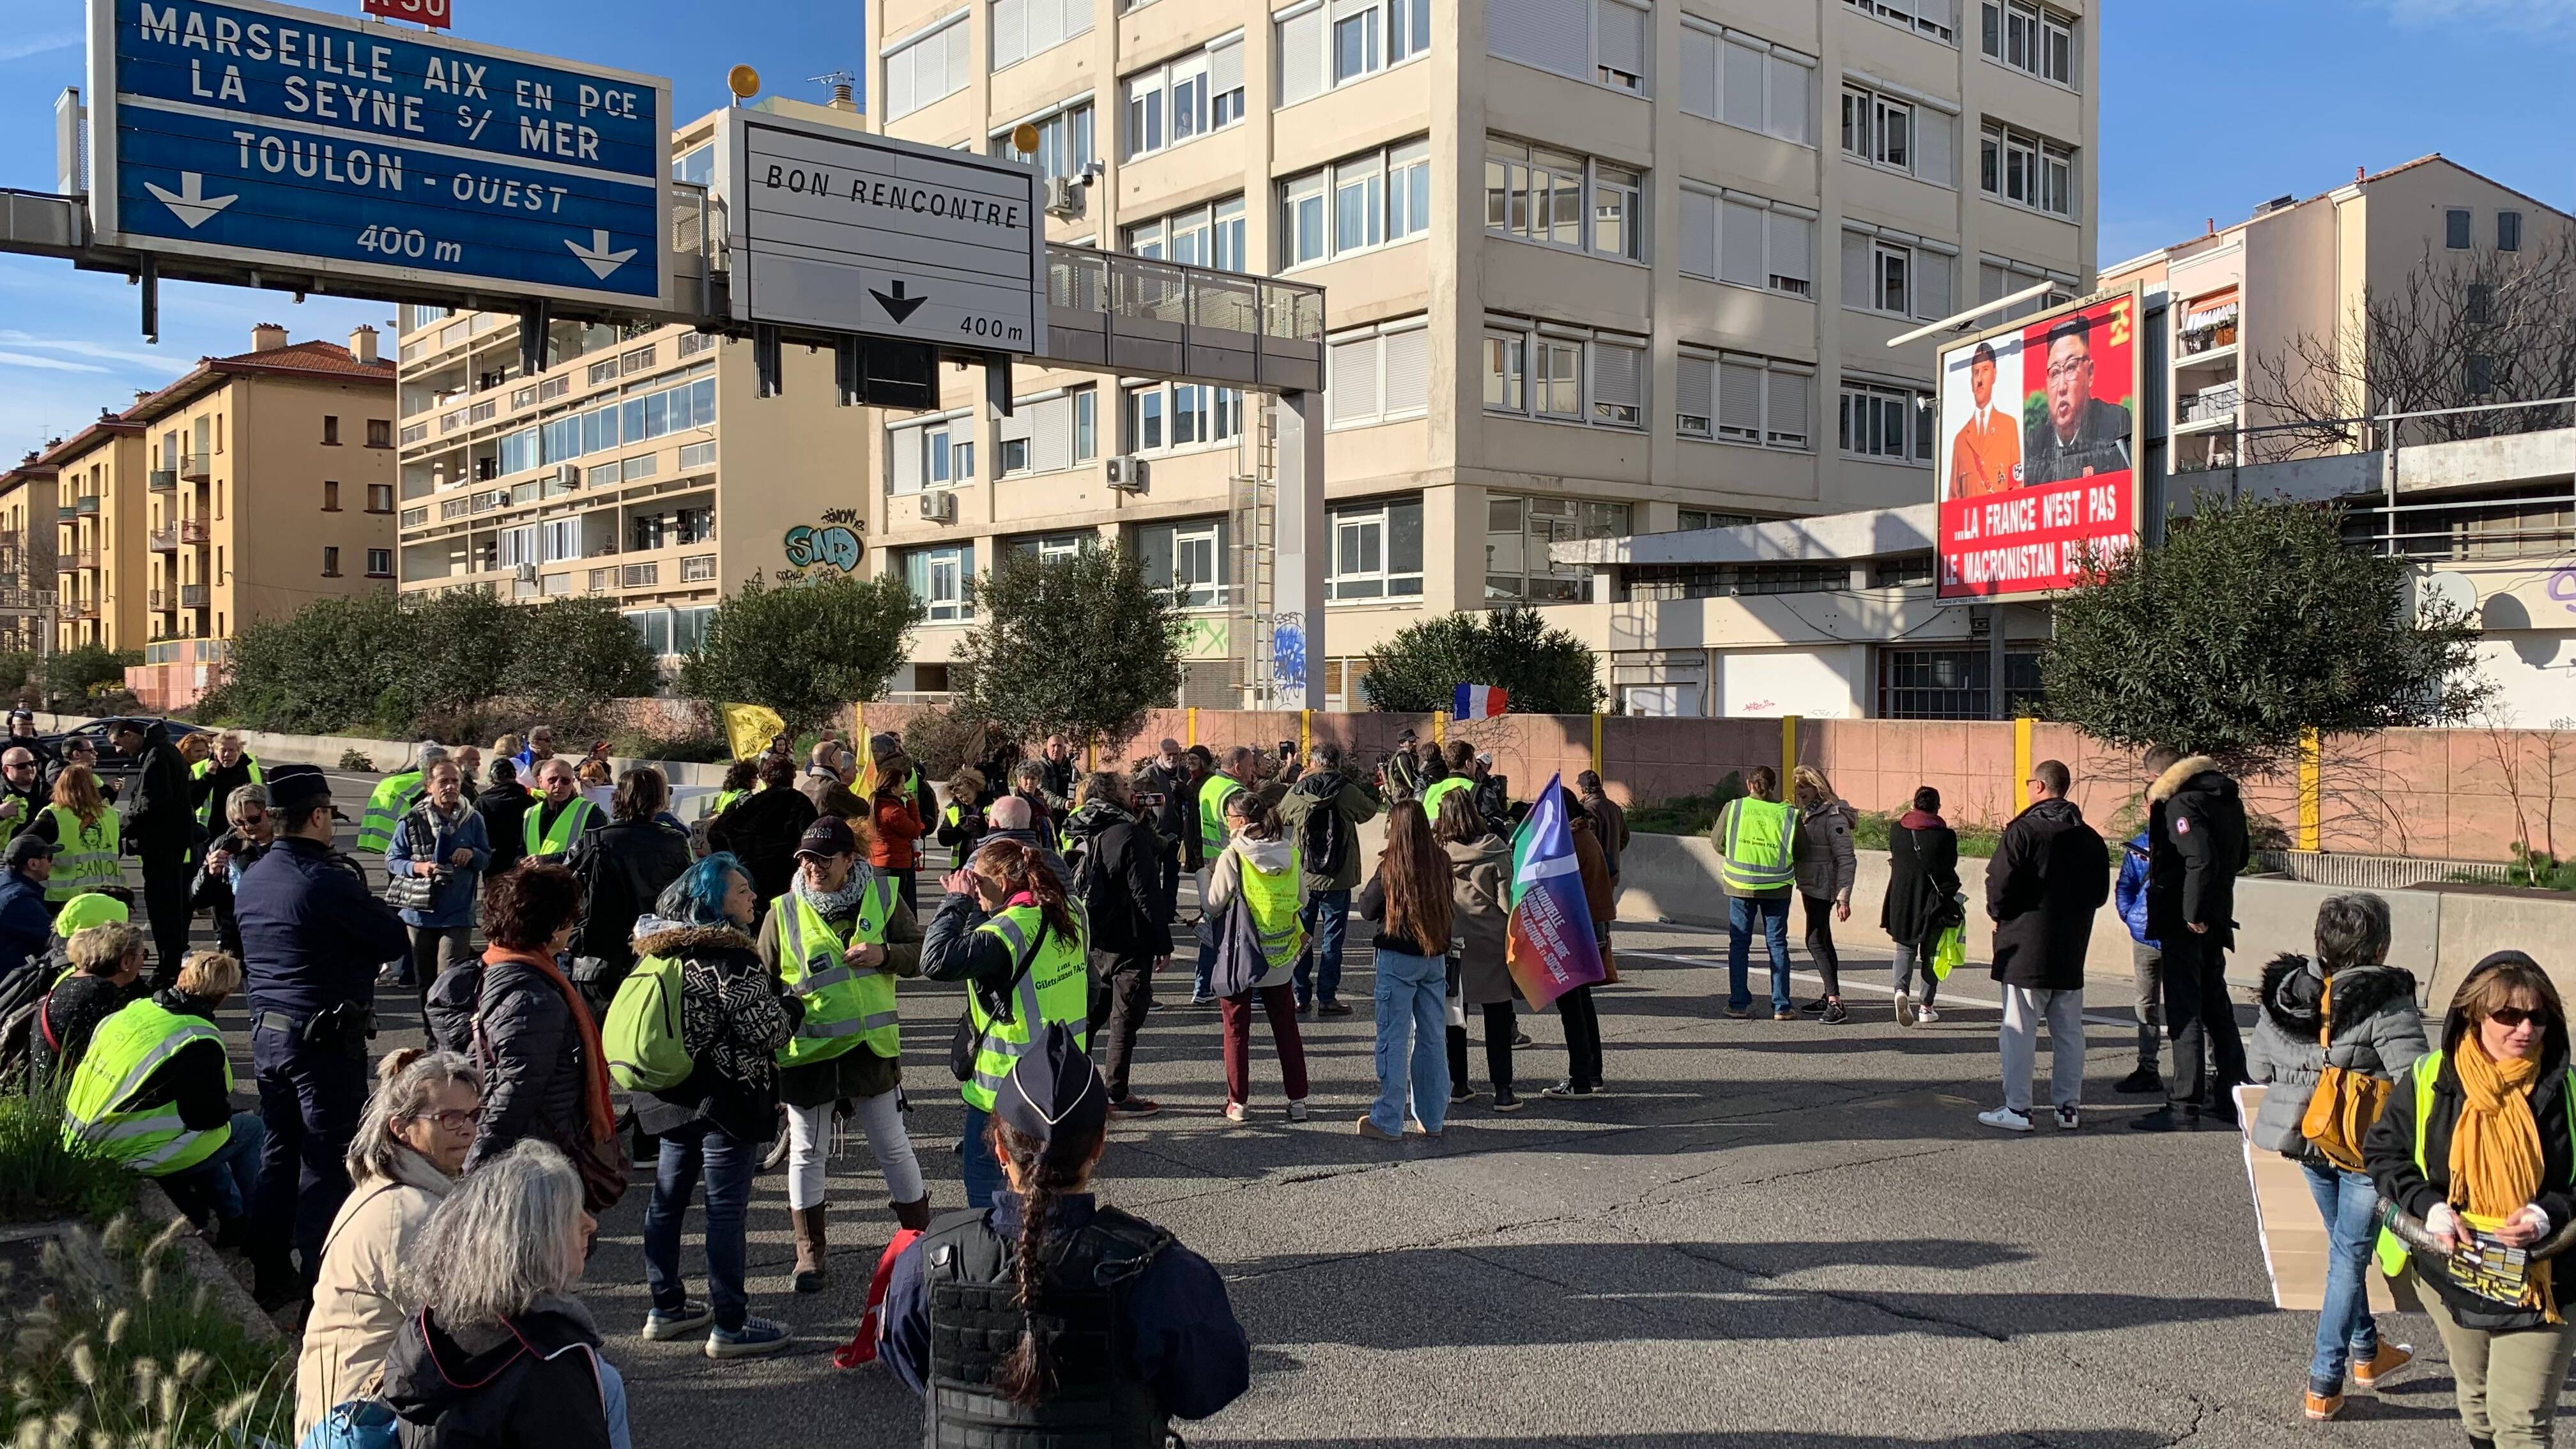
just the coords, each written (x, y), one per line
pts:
(2495, 1148)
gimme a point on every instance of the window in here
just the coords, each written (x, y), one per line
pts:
(1335, 42)
(1952, 683)
(1736, 398)
(1211, 236)
(1746, 81)
(2455, 229)
(380, 431)
(330, 497)
(1691, 518)
(1181, 415)
(1934, 19)
(1898, 134)
(1064, 142)
(2001, 277)
(330, 562)
(331, 424)
(1603, 41)
(937, 453)
(925, 67)
(1895, 274)
(2508, 231)
(1054, 547)
(938, 577)
(1885, 421)
(2028, 37)
(1356, 203)
(380, 498)
(1518, 532)
(1023, 28)
(380, 563)
(1190, 558)
(1538, 195)
(2031, 172)
(1728, 236)
(1046, 435)
(2481, 308)
(1545, 372)
(696, 166)
(1376, 552)
(1378, 374)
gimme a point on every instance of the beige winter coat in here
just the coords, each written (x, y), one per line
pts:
(355, 1308)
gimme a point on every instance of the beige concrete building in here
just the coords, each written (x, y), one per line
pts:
(27, 531)
(1594, 268)
(99, 553)
(269, 484)
(2300, 269)
(613, 471)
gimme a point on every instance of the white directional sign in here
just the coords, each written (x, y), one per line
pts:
(846, 232)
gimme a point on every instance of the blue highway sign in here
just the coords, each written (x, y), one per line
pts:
(271, 135)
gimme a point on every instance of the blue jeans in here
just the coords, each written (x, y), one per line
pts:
(2345, 1329)
(1412, 1041)
(224, 1185)
(1741, 914)
(975, 1161)
(1319, 970)
(1901, 974)
(612, 1402)
(727, 1163)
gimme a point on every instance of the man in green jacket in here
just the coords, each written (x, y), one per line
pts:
(1331, 866)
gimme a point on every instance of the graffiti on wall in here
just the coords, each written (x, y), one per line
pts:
(831, 543)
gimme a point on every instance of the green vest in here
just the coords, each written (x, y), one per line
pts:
(845, 1005)
(1758, 839)
(567, 827)
(390, 802)
(123, 1054)
(1213, 793)
(2391, 1253)
(207, 809)
(1273, 899)
(1057, 987)
(89, 857)
(1442, 789)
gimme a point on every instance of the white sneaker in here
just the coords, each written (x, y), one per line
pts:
(1924, 1015)
(2070, 1117)
(1234, 1112)
(2006, 1119)
(1904, 1012)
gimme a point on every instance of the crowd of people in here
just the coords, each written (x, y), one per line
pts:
(693, 1001)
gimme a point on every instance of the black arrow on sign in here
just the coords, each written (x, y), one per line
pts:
(898, 306)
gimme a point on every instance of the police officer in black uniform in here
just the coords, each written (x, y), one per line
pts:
(312, 933)
(1048, 1319)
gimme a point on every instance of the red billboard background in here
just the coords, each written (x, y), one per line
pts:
(2041, 475)
(423, 12)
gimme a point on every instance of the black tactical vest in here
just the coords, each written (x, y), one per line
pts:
(975, 1325)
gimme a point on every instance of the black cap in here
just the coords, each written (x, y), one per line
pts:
(1054, 1091)
(27, 847)
(828, 835)
(22, 712)
(292, 795)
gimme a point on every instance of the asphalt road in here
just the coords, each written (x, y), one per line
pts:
(1769, 1235)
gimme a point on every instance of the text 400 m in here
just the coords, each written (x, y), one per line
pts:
(993, 327)
(394, 241)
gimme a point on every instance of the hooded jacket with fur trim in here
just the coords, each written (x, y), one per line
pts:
(2378, 1029)
(2195, 848)
(734, 1017)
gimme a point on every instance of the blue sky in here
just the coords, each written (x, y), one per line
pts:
(2208, 107)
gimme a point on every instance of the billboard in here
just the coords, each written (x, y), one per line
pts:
(2038, 449)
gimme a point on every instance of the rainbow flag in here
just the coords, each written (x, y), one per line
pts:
(1549, 947)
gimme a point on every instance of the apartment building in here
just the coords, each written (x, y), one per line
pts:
(99, 536)
(2246, 297)
(1594, 268)
(261, 482)
(27, 530)
(613, 471)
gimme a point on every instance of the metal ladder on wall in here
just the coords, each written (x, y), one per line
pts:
(1252, 535)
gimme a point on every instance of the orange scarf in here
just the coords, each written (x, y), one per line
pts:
(2495, 1148)
(595, 1100)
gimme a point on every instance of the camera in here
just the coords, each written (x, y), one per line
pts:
(1287, 748)
(1151, 800)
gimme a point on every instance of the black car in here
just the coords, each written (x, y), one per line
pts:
(113, 765)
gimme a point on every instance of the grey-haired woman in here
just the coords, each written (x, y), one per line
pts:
(410, 1146)
(498, 1350)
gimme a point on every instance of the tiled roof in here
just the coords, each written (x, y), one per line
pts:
(305, 359)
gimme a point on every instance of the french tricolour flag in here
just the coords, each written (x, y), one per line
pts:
(1480, 701)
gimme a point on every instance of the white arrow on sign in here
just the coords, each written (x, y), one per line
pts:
(597, 256)
(191, 205)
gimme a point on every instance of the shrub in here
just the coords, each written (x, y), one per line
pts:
(1078, 646)
(806, 648)
(1542, 670)
(354, 759)
(41, 1176)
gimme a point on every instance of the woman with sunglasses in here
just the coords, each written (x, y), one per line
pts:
(2477, 1146)
(410, 1147)
(228, 855)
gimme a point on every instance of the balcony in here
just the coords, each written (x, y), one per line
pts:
(85, 609)
(163, 480)
(66, 513)
(86, 558)
(192, 530)
(166, 540)
(192, 596)
(197, 467)
(87, 507)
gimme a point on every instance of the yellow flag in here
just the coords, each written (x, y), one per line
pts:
(750, 728)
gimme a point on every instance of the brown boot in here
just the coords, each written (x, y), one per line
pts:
(914, 1214)
(809, 1249)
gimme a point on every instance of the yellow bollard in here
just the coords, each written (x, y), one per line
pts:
(1193, 730)
(1788, 751)
(2021, 754)
(2311, 791)
(1440, 726)
(1305, 734)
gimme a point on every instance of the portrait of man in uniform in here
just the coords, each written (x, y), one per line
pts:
(1985, 454)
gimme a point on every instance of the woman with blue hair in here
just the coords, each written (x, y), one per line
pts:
(734, 1018)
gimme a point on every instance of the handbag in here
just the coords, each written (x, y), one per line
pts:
(967, 1042)
(410, 891)
(1240, 961)
(2343, 1103)
(1950, 948)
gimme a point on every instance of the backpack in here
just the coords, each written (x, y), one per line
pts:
(641, 1035)
(1319, 836)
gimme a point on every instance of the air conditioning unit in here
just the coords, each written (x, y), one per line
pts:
(1129, 474)
(568, 475)
(526, 573)
(939, 507)
(1065, 195)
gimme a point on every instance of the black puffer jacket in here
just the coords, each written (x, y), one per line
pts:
(623, 869)
(2196, 847)
(504, 809)
(1120, 879)
(529, 1046)
(734, 1018)
(530, 1383)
